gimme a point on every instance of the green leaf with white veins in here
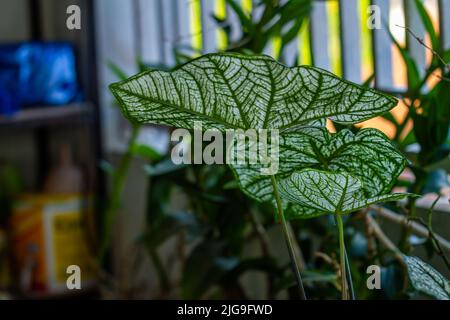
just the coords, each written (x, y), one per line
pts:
(368, 155)
(234, 91)
(329, 192)
(426, 279)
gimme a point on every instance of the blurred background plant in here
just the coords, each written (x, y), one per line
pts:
(423, 133)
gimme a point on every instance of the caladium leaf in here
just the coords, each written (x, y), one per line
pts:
(368, 155)
(426, 279)
(329, 192)
(235, 91)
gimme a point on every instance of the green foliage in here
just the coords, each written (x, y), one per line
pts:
(432, 123)
(234, 91)
(281, 19)
(217, 226)
(428, 110)
(229, 91)
(427, 22)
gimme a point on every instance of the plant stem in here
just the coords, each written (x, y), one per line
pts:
(115, 196)
(344, 288)
(348, 271)
(349, 276)
(288, 239)
(405, 244)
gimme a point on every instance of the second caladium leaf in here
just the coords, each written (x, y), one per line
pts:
(329, 192)
(235, 91)
(367, 155)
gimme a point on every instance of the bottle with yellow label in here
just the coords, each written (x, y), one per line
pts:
(49, 233)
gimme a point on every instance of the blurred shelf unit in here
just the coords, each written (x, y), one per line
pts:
(47, 116)
(46, 125)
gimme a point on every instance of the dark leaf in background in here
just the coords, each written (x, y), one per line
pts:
(163, 167)
(204, 268)
(107, 167)
(428, 23)
(413, 75)
(431, 125)
(166, 227)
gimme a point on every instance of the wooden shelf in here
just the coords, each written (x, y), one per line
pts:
(48, 116)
